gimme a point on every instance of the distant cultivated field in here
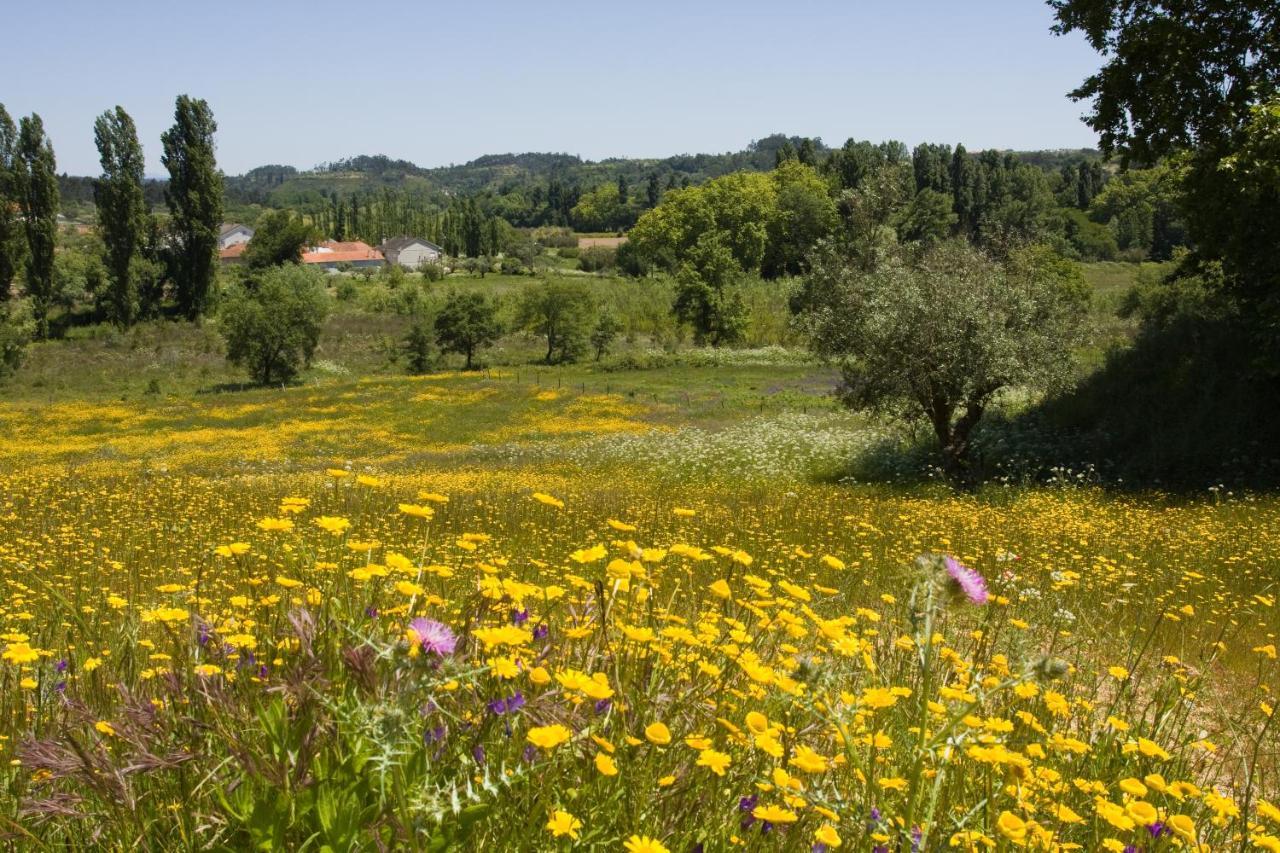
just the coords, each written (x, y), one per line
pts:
(604, 242)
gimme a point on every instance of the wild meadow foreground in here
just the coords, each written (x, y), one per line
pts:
(451, 613)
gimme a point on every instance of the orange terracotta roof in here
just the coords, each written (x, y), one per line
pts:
(334, 252)
(233, 251)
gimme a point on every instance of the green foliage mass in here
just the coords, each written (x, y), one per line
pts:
(272, 322)
(194, 196)
(560, 312)
(279, 239)
(35, 173)
(934, 334)
(123, 219)
(467, 323)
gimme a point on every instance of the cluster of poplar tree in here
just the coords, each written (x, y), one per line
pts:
(145, 261)
(462, 229)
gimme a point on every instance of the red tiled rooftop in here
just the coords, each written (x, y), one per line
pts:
(334, 252)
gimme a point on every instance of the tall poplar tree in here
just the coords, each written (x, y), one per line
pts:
(10, 249)
(194, 197)
(122, 211)
(37, 181)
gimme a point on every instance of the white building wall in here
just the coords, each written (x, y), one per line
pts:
(240, 235)
(415, 255)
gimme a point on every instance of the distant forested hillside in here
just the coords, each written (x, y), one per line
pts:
(535, 189)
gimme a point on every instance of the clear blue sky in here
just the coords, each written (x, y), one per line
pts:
(444, 82)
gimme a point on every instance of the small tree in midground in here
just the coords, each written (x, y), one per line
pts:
(708, 295)
(604, 334)
(935, 334)
(280, 238)
(272, 323)
(420, 343)
(466, 323)
(559, 311)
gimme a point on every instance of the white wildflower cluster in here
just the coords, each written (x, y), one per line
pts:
(784, 446)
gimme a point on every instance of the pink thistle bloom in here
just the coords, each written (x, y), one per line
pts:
(967, 580)
(433, 636)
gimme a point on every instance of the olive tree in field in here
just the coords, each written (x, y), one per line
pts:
(561, 312)
(272, 323)
(935, 334)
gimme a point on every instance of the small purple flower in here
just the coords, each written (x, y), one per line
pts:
(371, 612)
(60, 667)
(967, 581)
(434, 636)
(1158, 829)
(519, 617)
(530, 753)
(541, 631)
(434, 735)
(511, 703)
(203, 634)
(477, 753)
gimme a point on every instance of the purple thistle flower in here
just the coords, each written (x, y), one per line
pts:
(434, 636)
(967, 581)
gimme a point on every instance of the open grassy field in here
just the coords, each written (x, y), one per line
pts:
(527, 609)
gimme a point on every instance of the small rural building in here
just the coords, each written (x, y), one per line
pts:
(233, 254)
(232, 233)
(410, 252)
(329, 254)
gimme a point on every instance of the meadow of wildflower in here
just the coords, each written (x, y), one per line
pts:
(475, 613)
